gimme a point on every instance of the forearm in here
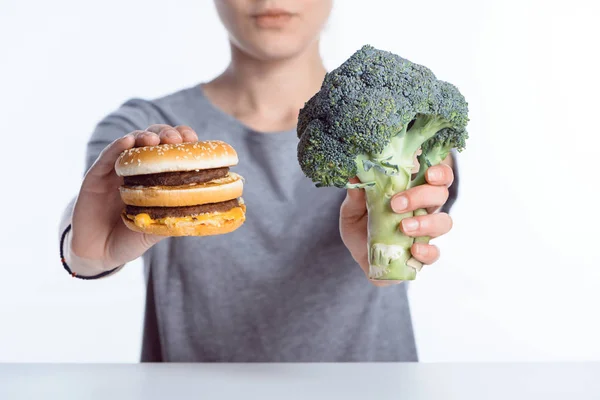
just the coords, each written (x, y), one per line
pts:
(78, 266)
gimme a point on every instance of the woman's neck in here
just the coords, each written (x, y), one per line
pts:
(266, 96)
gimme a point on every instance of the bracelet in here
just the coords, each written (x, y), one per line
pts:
(66, 267)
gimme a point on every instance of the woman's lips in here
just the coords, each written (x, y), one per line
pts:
(273, 19)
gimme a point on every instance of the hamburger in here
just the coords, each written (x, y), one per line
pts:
(181, 189)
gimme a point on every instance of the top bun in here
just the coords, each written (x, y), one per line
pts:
(175, 157)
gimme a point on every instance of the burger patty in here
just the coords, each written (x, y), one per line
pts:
(185, 211)
(176, 178)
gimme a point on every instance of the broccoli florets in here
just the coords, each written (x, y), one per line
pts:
(369, 119)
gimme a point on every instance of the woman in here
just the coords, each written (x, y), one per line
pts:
(285, 286)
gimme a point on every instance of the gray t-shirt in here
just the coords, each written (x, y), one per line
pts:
(283, 287)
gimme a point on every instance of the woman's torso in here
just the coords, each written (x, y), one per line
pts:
(283, 287)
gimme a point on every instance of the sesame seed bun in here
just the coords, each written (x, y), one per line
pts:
(176, 157)
(217, 190)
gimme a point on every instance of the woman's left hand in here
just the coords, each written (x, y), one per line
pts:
(431, 196)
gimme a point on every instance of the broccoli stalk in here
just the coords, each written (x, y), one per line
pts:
(369, 120)
(433, 152)
(391, 171)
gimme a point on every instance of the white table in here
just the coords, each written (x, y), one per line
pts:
(300, 381)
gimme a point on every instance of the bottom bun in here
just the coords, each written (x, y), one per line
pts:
(218, 223)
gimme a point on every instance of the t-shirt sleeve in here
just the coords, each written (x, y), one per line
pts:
(135, 114)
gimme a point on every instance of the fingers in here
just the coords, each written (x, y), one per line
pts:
(166, 133)
(426, 253)
(354, 206)
(433, 225)
(105, 162)
(440, 175)
(187, 133)
(424, 196)
(146, 138)
(156, 128)
(173, 135)
(152, 136)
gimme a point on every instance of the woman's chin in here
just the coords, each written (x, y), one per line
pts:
(274, 49)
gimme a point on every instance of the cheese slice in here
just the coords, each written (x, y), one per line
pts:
(215, 219)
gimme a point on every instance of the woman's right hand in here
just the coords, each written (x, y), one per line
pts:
(98, 233)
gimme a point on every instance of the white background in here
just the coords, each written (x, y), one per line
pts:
(519, 274)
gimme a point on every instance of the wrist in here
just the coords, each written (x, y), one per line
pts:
(80, 266)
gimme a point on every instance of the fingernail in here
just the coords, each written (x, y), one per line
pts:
(399, 203)
(419, 250)
(409, 224)
(172, 134)
(434, 175)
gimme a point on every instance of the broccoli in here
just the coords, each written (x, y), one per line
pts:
(369, 120)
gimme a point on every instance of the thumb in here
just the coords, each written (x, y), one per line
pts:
(105, 162)
(354, 205)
